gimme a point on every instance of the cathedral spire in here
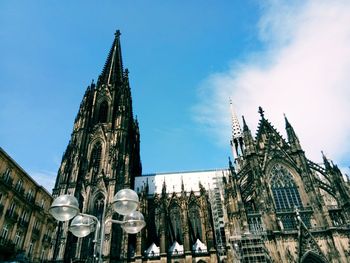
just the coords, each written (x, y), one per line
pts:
(248, 139)
(292, 137)
(237, 139)
(113, 69)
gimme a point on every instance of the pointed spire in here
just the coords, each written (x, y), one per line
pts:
(236, 128)
(237, 140)
(326, 163)
(164, 188)
(286, 121)
(245, 126)
(292, 137)
(113, 69)
(249, 146)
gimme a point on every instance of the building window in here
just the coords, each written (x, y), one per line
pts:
(255, 224)
(7, 176)
(336, 217)
(5, 232)
(24, 219)
(103, 112)
(284, 189)
(289, 221)
(12, 209)
(19, 185)
(18, 239)
(95, 159)
(99, 206)
(30, 195)
(31, 248)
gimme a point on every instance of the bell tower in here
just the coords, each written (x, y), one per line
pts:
(102, 157)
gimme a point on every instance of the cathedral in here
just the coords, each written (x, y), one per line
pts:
(271, 204)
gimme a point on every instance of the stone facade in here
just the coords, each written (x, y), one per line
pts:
(26, 228)
(271, 204)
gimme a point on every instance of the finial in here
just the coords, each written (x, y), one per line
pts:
(261, 111)
(117, 33)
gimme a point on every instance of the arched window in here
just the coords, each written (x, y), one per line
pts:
(99, 206)
(312, 257)
(284, 189)
(103, 112)
(195, 222)
(175, 218)
(95, 159)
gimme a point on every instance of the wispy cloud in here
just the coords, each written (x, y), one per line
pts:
(303, 72)
(44, 178)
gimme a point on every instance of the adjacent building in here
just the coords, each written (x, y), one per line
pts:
(26, 228)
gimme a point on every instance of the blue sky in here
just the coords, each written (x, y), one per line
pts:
(185, 59)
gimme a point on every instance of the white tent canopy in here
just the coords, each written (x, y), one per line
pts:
(152, 251)
(176, 248)
(199, 246)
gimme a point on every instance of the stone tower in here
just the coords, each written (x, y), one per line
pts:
(102, 157)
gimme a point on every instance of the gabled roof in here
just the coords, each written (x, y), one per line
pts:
(266, 128)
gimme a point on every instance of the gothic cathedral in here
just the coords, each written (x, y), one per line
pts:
(272, 204)
(102, 157)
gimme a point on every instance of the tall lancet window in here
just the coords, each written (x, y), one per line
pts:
(95, 160)
(176, 226)
(195, 222)
(284, 189)
(103, 112)
(99, 206)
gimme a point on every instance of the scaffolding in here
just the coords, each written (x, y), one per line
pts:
(216, 202)
(249, 248)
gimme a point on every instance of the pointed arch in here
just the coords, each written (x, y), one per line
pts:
(99, 205)
(312, 257)
(195, 222)
(284, 189)
(176, 222)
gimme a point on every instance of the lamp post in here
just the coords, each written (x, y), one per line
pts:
(125, 202)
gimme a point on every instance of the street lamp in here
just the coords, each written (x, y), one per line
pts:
(125, 202)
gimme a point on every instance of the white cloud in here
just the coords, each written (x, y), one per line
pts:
(44, 178)
(304, 72)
